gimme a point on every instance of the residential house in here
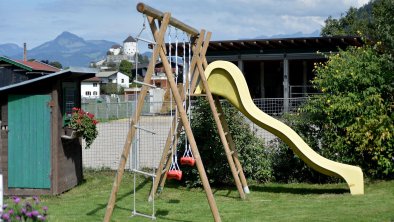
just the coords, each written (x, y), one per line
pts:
(90, 88)
(116, 77)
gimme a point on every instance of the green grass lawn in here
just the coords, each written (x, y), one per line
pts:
(266, 202)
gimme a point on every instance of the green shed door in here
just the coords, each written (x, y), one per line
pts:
(29, 141)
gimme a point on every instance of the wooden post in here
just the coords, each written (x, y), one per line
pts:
(132, 130)
(190, 136)
(221, 132)
(199, 54)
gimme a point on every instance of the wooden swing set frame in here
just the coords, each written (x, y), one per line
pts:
(158, 23)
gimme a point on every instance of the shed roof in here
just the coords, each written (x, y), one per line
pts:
(71, 72)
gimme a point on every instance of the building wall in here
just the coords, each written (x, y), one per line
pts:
(130, 48)
(90, 89)
(122, 80)
(8, 76)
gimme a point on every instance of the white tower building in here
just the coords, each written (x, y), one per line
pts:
(129, 46)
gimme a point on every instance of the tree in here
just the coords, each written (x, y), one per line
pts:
(355, 21)
(53, 63)
(111, 88)
(353, 120)
(56, 64)
(383, 21)
(126, 67)
(374, 21)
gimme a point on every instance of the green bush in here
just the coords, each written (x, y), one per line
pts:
(251, 150)
(353, 121)
(286, 166)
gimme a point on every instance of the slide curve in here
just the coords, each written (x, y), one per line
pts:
(226, 80)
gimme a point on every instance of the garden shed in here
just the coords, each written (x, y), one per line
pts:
(34, 158)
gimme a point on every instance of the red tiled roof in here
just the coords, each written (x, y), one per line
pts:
(39, 66)
(93, 79)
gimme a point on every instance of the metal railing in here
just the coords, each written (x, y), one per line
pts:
(302, 91)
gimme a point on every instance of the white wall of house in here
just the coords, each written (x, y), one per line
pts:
(121, 79)
(90, 89)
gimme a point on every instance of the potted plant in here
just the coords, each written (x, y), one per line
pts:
(83, 124)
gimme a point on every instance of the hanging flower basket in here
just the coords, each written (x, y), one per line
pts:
(82, 124)
(70, 134)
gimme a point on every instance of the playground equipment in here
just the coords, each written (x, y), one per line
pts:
(159, 23)
(137, 142)
(225, 81)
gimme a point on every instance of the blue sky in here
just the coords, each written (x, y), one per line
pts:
(37, 21)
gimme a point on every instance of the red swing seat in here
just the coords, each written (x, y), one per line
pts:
(174, 174)
(188, 160)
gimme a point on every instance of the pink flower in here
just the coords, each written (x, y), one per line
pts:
(5, 217)
(16, 199)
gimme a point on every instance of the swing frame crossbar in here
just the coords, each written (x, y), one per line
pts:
(145, 40)
(143, 173)
(159, 22)
(145, 84)
(144, 129)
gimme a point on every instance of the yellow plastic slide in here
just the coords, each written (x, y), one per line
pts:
(226, 80)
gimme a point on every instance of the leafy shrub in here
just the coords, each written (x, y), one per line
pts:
(251, 151)
(287, 167)
(353, 120)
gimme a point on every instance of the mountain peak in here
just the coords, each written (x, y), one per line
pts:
(315, 33)
(69, 36)
(9, 49)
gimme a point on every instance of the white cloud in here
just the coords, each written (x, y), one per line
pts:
(38, 21)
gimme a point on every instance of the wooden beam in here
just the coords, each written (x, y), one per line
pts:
(190, 136)
(154, 13)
